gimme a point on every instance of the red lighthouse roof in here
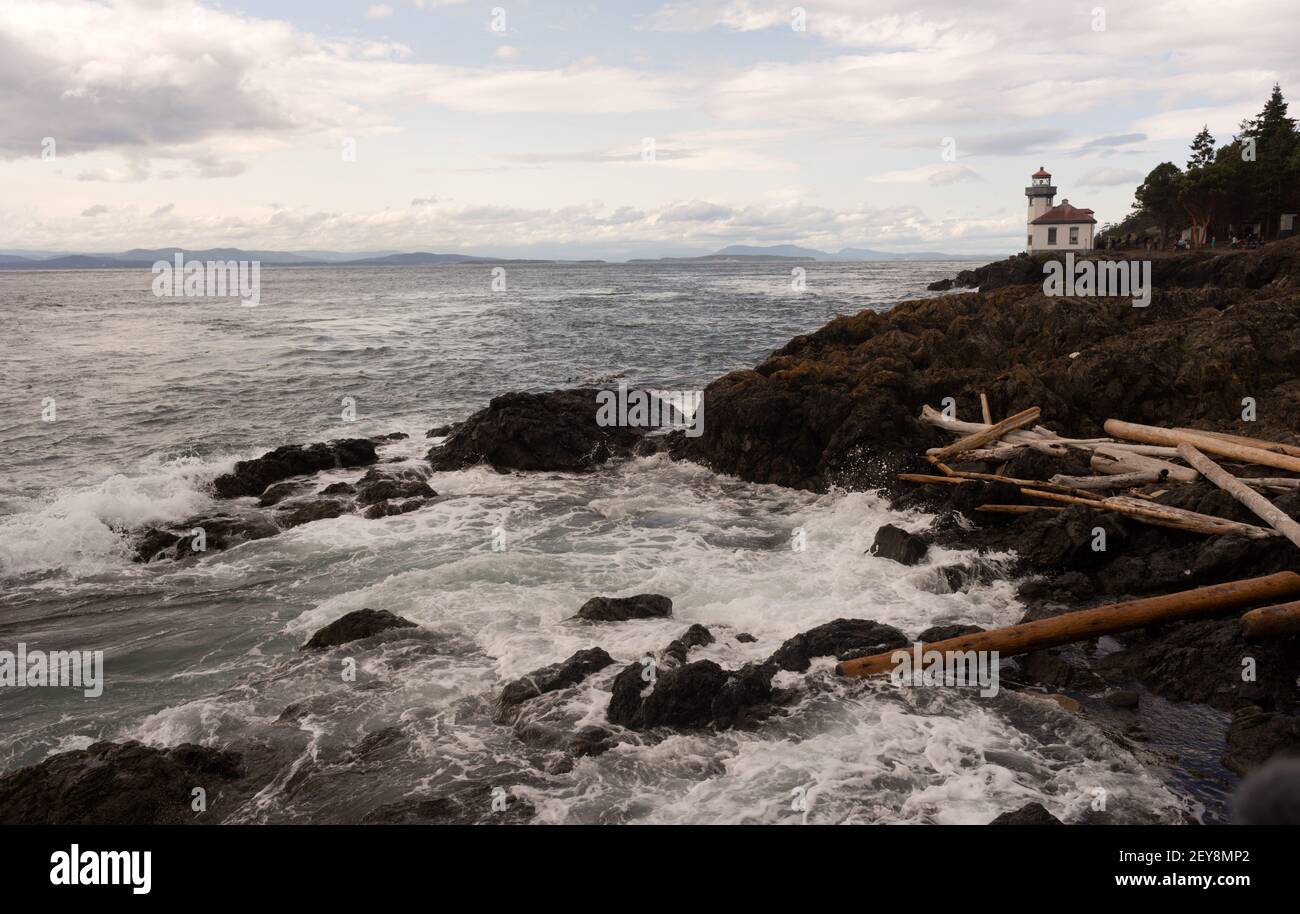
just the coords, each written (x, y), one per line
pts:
(1041, 173)
(1064, 213)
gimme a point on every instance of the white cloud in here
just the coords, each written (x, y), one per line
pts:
(378, 11)
(935, 175)
(506, 52)
(1111, 177)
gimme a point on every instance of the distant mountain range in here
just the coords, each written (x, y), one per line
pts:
(146, 258)
(791, 250)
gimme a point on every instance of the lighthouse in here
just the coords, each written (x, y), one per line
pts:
(1055, 228)
(1040, 192)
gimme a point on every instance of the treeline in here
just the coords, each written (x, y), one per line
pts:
(1228, 189)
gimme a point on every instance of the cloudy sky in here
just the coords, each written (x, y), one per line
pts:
(524, 127)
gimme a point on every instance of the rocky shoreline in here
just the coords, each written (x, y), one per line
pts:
(838, 408)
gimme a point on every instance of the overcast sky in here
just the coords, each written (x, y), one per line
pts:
(229, 124)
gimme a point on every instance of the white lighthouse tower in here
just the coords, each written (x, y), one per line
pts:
(1041, 193)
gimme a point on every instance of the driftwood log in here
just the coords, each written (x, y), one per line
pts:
(1280, 621)
(1103, 620)
(1261, 506)
(992, 433)
(1206, 443)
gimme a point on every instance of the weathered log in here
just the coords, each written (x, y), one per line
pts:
(1156, 514)
(1208, 444)
(922, 477)
(1103, 620)
(1121, 481)
(1264, 509)
(1126, 461)
(992, 433)
(984, 409)
(1280, 621)
(1260, 443)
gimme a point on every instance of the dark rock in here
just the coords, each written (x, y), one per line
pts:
(683, 697)
(625, 698)
(1029, 814)
(467, 806)
(317, 509)
(152, 542)
(621, 609)
(121, 784)
(895, 543)
(439, 431)
(274, 494)
(592, 741)
(695, 636)
(944, 632)
(338, 488)
(391, 436)
(746, 638)
(1256, 736)
(1270, 795)
(555, 676)
(940, 285)
(391, 508)
(358, 624)
(838, 406)
(1201, 661)
(251, 477)
(744, 697)
(842, 639)
(384, 484)
(524, 431)
(1060, 670)
(223, 532)
(1122, 698)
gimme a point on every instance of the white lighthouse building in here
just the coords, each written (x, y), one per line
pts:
(1055, 228)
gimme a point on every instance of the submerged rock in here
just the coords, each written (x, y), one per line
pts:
(469, 806)
(385, 484)
(305, 512)
(1029, 814)
(358, 624)
(555, 676)
(121, 784)
(556, 430)
(621, 609)
(218, 533)
(251, 477)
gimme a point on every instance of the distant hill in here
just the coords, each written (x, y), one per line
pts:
(846, 254)
(725, 257)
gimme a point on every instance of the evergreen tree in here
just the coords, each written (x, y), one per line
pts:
(1202, 149)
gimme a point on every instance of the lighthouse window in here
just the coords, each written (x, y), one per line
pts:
(1051, 236)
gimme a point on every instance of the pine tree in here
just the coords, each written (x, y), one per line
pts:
(1202, 149)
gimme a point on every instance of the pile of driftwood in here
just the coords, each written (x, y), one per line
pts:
(1138, 462)
(1131, 468)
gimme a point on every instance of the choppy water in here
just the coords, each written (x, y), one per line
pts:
(154, 398)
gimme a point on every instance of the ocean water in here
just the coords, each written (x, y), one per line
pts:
(156, 397)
